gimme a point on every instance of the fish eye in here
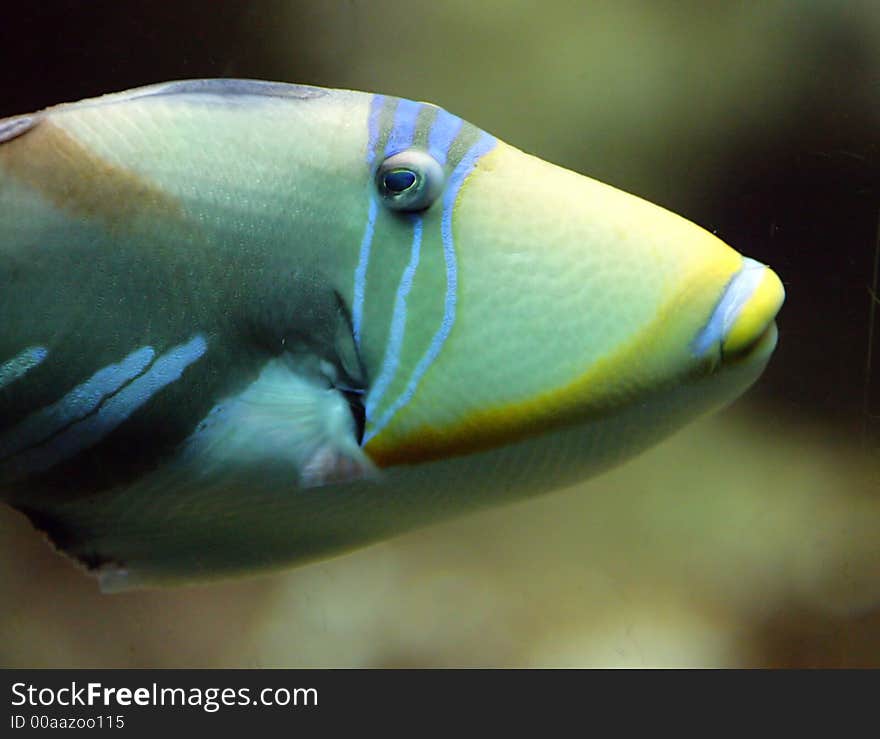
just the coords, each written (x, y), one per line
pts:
(410, 180)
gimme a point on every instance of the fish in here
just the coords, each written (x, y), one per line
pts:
(252, 324)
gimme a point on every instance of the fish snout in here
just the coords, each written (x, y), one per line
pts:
(743, 318)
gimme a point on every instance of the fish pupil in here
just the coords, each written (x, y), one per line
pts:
(399, 180)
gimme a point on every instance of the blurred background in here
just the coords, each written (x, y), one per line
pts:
(751, 538)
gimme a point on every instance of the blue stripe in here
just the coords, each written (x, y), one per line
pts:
(86, 433)
(404, 129)
(398, 323)
(376, 105)
(21, 364)
(77, 404)
(483, 146)
(444, 131)
(360, 272)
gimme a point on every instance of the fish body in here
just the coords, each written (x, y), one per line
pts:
(249, 324)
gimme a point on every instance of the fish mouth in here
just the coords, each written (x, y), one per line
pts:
(742, 322)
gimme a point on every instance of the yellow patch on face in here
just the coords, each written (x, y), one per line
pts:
(645, 361)
(54, 163)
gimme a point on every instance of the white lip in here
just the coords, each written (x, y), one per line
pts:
(737, 293)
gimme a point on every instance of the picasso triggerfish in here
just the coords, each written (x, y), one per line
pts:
(250, 324)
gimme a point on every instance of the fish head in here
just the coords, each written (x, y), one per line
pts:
(513, 296)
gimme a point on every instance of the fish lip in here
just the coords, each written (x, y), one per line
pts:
(736, 296)
(762, 347)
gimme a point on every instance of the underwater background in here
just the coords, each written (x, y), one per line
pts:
(750, 538)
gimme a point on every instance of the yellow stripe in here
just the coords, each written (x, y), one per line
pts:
(609, 384)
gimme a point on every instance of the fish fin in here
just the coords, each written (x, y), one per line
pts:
(330, 464)
(285, 413)
(113, 578)
(71, 540)
(289, 430)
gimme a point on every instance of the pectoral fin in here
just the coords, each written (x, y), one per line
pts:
(286, 413)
